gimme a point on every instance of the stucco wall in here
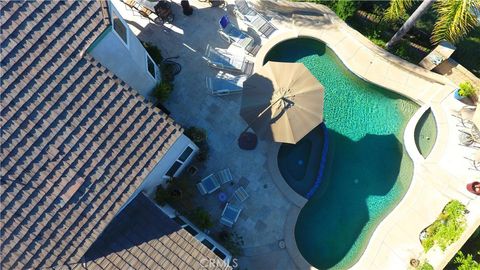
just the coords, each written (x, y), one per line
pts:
(128, 61)
(156, 176)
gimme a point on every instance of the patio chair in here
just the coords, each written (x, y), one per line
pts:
(230, 214)
(225, 86)
(233, 35)
(240, 194)
(254, 19)
(208, 184)
(222, 59)
(224, 176)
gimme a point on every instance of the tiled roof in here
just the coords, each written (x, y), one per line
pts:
(143, 237)
(76, 142)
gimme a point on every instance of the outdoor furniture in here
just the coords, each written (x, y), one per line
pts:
(254, 19)
(233, 35)
(225, 86)
(208, 184)
(224, 176)
(230, 214)
(213, 182)
(222, 59)
(240, 194)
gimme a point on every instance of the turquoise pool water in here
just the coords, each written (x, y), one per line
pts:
(368, 171)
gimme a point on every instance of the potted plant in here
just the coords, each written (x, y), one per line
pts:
(465, 90)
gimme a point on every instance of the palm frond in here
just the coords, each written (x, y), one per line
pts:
(397, 9)
(455, 19)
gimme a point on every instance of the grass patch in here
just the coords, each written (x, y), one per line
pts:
(448, 227)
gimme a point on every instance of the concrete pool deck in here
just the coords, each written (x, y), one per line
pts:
(270, 213)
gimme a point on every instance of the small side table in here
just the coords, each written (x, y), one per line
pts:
(222, 196)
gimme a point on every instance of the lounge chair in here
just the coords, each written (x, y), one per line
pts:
(254, 19)
(208, 184)
(240, 194)
(222, 59)
(224, 176)
(233, 35)
(225, 86)
(230, 214)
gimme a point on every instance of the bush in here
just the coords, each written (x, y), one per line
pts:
(161, 195)
(197, 135)
(466, 262)
(448, 227)
(466, 90)
(232, 242)
(162, 91)
(425, 266)
(153, 51)
(345, 9)
(201, 218)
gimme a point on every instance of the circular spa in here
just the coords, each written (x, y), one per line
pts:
(367, 170)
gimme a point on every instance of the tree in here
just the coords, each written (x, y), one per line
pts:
(455, 18)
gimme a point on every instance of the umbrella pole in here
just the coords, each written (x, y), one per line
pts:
(248, 140)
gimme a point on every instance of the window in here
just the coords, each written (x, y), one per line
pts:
(151, 66)
(171, 172)
(207, 243)
(119, 27)
(179, 162)
(190, 230)
(186, 153)
(219, 253)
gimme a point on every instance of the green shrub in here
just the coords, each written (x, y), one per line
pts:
(425, 266)
(448, 227)
(162, 91)
(466, 262)
(201, 218)
(232, 242)
(345, 9)
(466, 90)
(197, 135)
(153, 51)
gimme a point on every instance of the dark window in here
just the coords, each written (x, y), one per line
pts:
(151, 66)
(219, 254)
(179, 221)
(171, 172)
(207, 243)
(119, 27)
(185, 154)
(191, 230)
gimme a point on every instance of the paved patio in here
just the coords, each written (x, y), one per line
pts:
(269, 215)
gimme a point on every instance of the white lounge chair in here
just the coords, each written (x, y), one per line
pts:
(224, 176)
(222, 59)
(254, 19)
(225, 86)
(233, 35)
(208, 184)
(240, 194)
(230, 214)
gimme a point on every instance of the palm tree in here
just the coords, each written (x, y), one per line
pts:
(455, 18)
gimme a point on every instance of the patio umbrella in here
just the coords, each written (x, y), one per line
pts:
(476, 118)
(282, 101)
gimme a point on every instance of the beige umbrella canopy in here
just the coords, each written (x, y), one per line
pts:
(282, 101)
(476, 118)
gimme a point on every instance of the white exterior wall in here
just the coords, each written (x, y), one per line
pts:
(127, 61)
(157, 175)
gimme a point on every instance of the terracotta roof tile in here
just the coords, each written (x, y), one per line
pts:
(63, 114)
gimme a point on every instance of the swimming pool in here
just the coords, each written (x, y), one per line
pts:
(368, 170)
